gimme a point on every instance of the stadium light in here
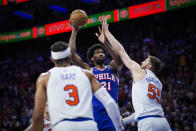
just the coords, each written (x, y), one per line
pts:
(57, 8)
(23, 15)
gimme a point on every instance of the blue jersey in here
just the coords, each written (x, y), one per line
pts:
(109, 81)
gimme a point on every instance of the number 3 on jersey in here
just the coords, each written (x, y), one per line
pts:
(73, 94)
(154, 93)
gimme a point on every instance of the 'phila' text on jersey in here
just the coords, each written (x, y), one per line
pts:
(105, 76)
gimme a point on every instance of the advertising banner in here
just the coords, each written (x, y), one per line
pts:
(58, 27)
(39, 31)
(173, 4)
(16, 36)
(20, 1)
(146, 9)
(6, 2)
(123, 14)
(94, 20)
(3, 2)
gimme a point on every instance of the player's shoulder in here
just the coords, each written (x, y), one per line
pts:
(43, 77)
(44, 73)
(150, 73)
(47, 73)
(86, 71)
(114, 66)
(109, 67)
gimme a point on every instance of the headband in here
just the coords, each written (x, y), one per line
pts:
(61, 54)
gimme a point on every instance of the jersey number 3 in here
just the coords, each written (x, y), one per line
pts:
(154, 93)
(73, 94)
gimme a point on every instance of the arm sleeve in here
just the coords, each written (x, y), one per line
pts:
(129, 119)
(110, 106)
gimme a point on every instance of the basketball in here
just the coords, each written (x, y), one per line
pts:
(78, 18)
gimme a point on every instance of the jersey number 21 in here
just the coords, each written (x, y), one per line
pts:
(106, 85)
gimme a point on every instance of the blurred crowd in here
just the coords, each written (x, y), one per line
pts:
(172, 43)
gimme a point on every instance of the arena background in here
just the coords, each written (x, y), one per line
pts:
(169, 35)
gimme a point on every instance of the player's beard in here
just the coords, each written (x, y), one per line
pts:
(99, 61)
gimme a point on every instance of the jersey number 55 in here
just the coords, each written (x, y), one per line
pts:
(154, 93)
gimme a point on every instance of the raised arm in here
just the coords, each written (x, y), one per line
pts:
(108, 102)
(40, 102)
(134, 67)
(116, 63)
(76, 59)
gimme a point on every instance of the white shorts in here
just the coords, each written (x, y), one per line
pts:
(89, 125)
(153, 124)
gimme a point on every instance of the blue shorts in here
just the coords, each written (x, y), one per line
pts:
(104, 122)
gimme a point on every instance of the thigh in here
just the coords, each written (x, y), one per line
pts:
(76, 126)
(153, 124)
(165, 125)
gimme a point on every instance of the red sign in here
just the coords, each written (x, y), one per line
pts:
(5, 2)
(146, 9)
(20, 1)
(58, 27)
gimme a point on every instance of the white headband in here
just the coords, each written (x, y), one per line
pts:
(61, 54)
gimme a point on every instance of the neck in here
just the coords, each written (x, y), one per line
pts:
(64, 64)
(99, 66)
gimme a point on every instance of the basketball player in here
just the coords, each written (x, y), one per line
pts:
(146, 88)
(47, 123)
(107, 75)
(69, 90)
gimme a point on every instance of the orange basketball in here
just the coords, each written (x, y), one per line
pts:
(78, 18)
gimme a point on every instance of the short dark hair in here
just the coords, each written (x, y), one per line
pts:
(92, 49)
(156, 64)
(59, 46)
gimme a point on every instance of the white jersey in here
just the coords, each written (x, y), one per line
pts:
(146, 95)
(69, 94)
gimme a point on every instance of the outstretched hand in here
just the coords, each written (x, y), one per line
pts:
(101, 35)
(104, 24)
